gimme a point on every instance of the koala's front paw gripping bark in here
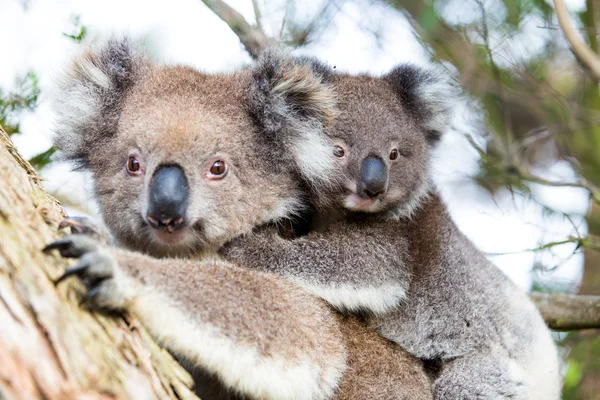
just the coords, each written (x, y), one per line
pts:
(107, 287)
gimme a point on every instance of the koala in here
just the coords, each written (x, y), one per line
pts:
(384, 244)
(184, 162)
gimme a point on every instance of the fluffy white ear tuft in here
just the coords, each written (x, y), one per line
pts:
(293, 101)
(427, 94)
(90, 95)
(304, 91)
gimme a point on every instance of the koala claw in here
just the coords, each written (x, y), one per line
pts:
(88, 299)
(76, 270)
(107, 287)
(72, 246)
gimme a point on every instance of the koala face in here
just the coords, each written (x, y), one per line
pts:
(186, 171)
(181, 160)
(383, 137)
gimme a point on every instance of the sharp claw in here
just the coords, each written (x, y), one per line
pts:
(80, 226)
(91, 293)
(70, 223)
(65, 224)
(82, 266)
(77, 227)
(60, 244)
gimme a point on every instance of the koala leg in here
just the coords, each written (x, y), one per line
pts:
(348, 266)
(480, 376)
(258, 334)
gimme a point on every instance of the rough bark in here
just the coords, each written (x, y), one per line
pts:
(50, 347)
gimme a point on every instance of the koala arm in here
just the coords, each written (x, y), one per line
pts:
(260, 335)
(353, 266)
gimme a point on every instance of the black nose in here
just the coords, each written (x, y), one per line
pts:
(373, 178)
(168, 198)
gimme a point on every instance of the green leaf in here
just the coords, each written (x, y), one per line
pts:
(42, 159)
(25, 97)
(573, 375)
(79, 31)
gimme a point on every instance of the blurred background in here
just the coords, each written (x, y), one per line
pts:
(519, 170)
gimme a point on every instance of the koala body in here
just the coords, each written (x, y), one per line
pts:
(182, 162)
(389, 248)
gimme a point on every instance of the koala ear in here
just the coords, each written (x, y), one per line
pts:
(427, 95)
(292, 102)
(90, 97)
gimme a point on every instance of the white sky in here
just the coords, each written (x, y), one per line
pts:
(185, 31)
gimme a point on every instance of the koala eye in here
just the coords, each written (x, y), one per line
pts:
(218, 170)
(133, 166)
(394, 154)
(338, 151)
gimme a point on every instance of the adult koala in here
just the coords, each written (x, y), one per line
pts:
(182, 164)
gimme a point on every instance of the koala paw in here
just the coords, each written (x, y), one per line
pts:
(86, 226)
(108, 288)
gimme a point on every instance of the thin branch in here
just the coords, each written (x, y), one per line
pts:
(471, 141)
(257, 15)
(321, 20)
(253, 38)
(565, 312)
(520, 174)
(497, 75)
(285, 19)
(587, 242)
(582, 183)
(545, 246)
(583, 52)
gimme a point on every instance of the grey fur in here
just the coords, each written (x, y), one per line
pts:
(258, 334)
(453, 306)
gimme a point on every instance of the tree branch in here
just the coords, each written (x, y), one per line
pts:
(583, 52)
(545, 246)
(583, 183)
(252, 37)
(567, 312)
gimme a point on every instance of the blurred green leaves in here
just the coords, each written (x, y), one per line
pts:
(78, 30)
(42, 159)
(573, 376)
(583, 368)
(24, 97)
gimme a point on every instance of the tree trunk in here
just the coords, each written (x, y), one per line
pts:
(51, 348)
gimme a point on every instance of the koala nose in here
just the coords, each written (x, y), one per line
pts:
(168, 198)
(373, 178)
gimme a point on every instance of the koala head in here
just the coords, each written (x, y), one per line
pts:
(383, 137)
(182, 161)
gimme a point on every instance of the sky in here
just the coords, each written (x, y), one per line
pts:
(187, 32)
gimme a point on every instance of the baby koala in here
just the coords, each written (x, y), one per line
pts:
(389, 248)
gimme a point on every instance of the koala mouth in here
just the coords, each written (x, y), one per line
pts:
(188, 236)
(354, 202)
(171, 237)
